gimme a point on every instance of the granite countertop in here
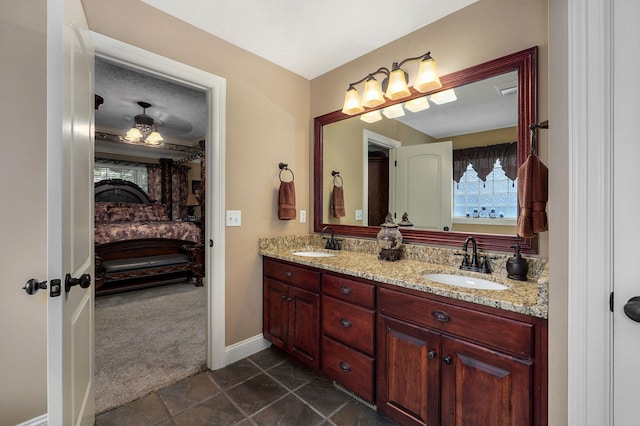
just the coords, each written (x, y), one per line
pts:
(525, 297)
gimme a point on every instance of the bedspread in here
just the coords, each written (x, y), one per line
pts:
(109, 232)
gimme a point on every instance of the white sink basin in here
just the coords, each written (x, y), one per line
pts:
(313, 254)
(466, 282)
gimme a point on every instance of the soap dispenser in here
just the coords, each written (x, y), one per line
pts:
(517, 266)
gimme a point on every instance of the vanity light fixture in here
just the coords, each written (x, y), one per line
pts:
(393, 111)
(144, 128)
(417, 104)
(371, 116)
(444, 97)
(394, 86)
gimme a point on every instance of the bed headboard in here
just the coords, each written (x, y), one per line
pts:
(120, 191)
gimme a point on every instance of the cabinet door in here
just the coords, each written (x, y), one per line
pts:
(304, 326)
(407, 372)
(275, 312)
(484, 387)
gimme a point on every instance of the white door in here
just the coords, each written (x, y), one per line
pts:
(424, 179)
(626, 149)
(70, 104)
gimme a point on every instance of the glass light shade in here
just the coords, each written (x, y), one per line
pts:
(371, 116)
(393, 111)
(372, 96)
(133, 134)
(427, 78)
(352, 102)
(444, 97)
(154, 138)
(397, 88)
(417, 104)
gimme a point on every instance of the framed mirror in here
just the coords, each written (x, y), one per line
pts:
(495, 104)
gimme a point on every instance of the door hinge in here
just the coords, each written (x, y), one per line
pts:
(611, 302)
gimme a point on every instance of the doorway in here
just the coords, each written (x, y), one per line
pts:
(377, 149)
(214, 257)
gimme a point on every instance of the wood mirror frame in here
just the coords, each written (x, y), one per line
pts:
(525, 62)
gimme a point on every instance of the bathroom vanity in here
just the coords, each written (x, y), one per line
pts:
(424, 353)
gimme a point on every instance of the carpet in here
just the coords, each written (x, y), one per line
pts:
(146, 340)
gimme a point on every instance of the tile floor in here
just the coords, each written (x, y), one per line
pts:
(264, 389)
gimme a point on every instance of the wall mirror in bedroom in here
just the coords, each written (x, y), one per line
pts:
(371, 156)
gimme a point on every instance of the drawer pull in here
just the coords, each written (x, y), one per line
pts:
(345, 290)
(345, 323)
(345, 367)
(441, 316)
(289, 274)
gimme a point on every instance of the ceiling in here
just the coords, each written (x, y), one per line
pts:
(302, 36)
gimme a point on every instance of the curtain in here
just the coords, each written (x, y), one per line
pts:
(179, 183)
(484, 157)
(154, 182)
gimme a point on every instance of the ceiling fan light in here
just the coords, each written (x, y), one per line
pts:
(371, 116)
(352, 102)
(133, 135)
(417, 104)
(393, 111)
(373, 95)
(397, 88)
(154, 138)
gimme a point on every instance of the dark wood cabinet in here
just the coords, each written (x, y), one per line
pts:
(291, 310)
(422, 359)
(348, 333)
(437, 367)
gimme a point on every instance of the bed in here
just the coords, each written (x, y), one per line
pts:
(136, 243)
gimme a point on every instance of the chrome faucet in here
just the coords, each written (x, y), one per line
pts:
(332, 242)
(474, 264)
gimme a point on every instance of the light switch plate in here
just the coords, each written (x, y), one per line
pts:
(358, 214)
(303, 216)
(234, 217)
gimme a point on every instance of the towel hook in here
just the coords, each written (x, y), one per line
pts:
(336, 175)
(283, 167)
(532, 129)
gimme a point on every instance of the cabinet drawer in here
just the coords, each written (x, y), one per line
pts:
(502, 333)
(292, 274)
(348, 367)
(350, 324)
(349, 290)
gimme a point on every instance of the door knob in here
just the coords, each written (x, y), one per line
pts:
(84, 281)
(632, 308)
(33, 285)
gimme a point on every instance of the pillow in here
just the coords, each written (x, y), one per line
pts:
(100, 211)
(119, 214)
(161, 212)
(150, 213)
(138, 212)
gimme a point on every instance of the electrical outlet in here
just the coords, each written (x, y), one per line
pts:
(358, 214)
(303, 216)
(234, 217)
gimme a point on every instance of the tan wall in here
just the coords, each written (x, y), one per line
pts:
(23, 318)
(482, 31)
(267, 122)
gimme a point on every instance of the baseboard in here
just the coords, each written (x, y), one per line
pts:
(245, 348)
(38, 421)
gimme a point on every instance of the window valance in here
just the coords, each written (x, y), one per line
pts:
(484, 157)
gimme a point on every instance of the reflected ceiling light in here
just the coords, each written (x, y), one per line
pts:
(394, 86)
(144, 128)
(444, 97)
(371, 116)
(393, 111)
(417, 104)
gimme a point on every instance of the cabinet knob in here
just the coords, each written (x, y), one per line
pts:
(289, 299)
(447, 360)
(345, 367)
(431, 354)
(345, 290)
(345, 323)
(288, 274)
(284, 297)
